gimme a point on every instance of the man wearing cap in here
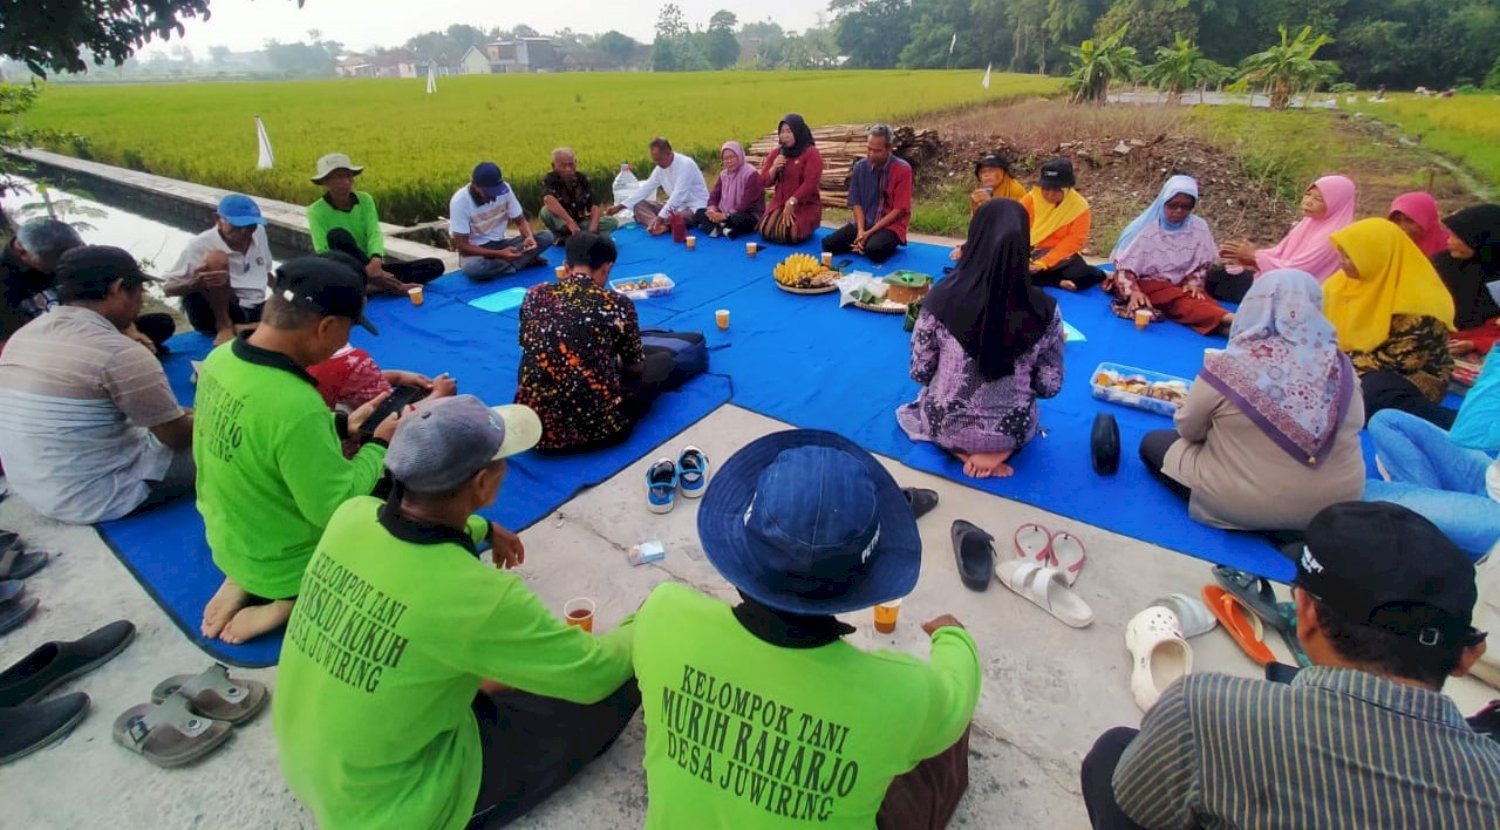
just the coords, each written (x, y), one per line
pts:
(479, 217)
(89, 428)
(568, 201)
(679, 176)
(223, 272)
(271, 469)
(1364, 738)
(418, 731)
(346, 220)
(583, 368)
(880, 199)
(760, 715)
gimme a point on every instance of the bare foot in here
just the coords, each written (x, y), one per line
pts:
(224, 336)
(226, 602)
(1067, 285)
(255, 620)
(988, 464)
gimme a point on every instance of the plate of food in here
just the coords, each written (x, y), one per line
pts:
(1140, 388)
(870, 301)
(804, 274)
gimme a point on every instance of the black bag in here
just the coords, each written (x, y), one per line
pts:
(688, 349)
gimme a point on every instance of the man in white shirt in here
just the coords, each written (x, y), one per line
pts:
(680, 177)
(223, 273)
(479, 216)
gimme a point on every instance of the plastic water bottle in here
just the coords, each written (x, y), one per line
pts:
(626, 184)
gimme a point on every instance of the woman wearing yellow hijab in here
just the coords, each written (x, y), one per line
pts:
(1060, 221)
(1393, 316)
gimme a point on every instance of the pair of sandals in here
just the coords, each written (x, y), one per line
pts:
(1043, 571)
(1245, 604)
(666, 478)
(189, 716)
(16, 564)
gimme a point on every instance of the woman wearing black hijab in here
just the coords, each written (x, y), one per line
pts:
(1471, 262)
(986, 346)
(795, 170)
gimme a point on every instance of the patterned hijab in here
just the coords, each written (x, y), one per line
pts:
(1153, 247)
(1392, 278)
(1283, 367)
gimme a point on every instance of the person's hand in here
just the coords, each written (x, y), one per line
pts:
(715, 215)
(361, 414)
(859, 242)
(779, 163)
(1137, 301)
(400, 377)
(1195, 291)
(375, 270)
(387, 428)
(211, 278)
(792, 202)
(506, 547)
(957, 253)
(943, 621)
(1034, 267)
(135, 334)
(1458, 348)
(613, 209)
(528, 243)
(574, 227)
(386, 283)
(657, 227)
(593, 225)
(980, 195)
(1240, 251)
(443, 386)
(509, 254)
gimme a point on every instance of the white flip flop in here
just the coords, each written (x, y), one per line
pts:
(1161, 654)
(1192, 614)
(1047, 589)
(1068, 555)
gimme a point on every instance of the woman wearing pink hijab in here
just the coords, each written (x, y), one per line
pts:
(1417, 214)
(1327, 206)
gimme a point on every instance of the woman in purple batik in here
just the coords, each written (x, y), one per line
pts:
(986, 345)
(1269, 434)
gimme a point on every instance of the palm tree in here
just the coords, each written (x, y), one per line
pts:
(1182, 68)
(1289, 66)
(1098, 63)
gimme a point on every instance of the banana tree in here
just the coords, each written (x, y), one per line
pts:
(1098, 63)
(1181, 68)
(1289, 66)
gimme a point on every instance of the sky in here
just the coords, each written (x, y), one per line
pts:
(244, 25)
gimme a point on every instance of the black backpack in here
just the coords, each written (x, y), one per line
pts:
(688, 349)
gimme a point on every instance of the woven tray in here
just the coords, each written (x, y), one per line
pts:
(886, 307)
(822, 289)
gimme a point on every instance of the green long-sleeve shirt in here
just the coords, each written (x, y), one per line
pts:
(271, 470)
(362, 221)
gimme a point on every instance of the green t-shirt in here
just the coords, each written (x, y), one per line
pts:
(271, 469)
(361, 221)
(397, 624)
(744, 734)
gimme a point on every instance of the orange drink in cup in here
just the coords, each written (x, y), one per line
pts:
(1142, 318)
(721, 317)
(580, 612)
(751, 248)
(885, 616)
(562, 271)
(827, 259)
(415, 293)
(692, 242)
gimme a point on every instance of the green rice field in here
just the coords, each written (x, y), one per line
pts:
(419, 148)
(1464, 127)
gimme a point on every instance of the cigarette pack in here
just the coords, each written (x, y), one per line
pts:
(646, 552)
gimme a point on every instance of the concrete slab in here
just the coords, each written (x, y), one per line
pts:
(1048, 689)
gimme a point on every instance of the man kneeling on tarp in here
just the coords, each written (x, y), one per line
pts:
(760, 715)
(382, 717)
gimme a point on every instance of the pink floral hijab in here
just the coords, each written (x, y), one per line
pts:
(1306, 248)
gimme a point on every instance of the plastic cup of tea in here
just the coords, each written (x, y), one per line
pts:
(415, 293)
(562, 271)
(1142, 317)
(885, 616)
(721, 317)
(751, 248)
(580, 612)
(827, 259)
(692, 242)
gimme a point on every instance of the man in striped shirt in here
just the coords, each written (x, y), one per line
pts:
(1365, 738)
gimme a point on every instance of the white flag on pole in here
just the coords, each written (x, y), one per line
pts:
(952, 43)
(431, 78)
(986, 82)
(266, 159)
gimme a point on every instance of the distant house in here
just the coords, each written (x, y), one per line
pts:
(388, 63)
(527, 54)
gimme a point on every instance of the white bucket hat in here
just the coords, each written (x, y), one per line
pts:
(332, 162)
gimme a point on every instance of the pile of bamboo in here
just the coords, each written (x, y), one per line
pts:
(841, 145)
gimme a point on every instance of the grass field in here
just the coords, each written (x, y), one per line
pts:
(419, 148)
(1464, 127)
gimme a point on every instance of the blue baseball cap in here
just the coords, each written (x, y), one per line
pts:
(240, 210)
(487, 178)
(807, 522)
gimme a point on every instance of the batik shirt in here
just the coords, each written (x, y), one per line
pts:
(1417, 350)
(575, 196)
(575, 336)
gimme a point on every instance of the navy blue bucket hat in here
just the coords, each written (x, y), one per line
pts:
(807, 522)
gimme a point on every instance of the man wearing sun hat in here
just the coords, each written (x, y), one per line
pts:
(345, 219)
(223, 272)
(1364, 738)
(760, 715)
(479, 217)
(415, 732)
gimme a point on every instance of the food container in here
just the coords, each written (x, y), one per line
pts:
(644, 287)
(1139, 388)
(907, 286)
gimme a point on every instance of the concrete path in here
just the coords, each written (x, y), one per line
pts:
(1048, 689)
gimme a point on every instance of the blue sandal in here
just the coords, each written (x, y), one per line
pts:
(692, 472)
(661, 486)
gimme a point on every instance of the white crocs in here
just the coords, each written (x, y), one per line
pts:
(1162, 655)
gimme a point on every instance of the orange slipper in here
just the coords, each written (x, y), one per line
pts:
(1241, 623)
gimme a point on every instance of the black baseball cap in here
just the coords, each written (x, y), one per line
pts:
(1382, 565)
(1057, 174)
(325, 285)
(87, 272)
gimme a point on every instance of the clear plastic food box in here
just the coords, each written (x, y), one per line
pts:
(657, 285)
(1159, 406)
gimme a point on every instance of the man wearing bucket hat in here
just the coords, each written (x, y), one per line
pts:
(223, 272)
(1364, 738)
(271, 468)
(345, 219)
(424, 708)
(479, 217)
(759, 715)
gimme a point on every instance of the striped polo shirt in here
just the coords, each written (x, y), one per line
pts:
(1335, 748)
(77, 401)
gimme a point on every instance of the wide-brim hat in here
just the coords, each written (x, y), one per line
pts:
(891, 559)
(332, 162)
